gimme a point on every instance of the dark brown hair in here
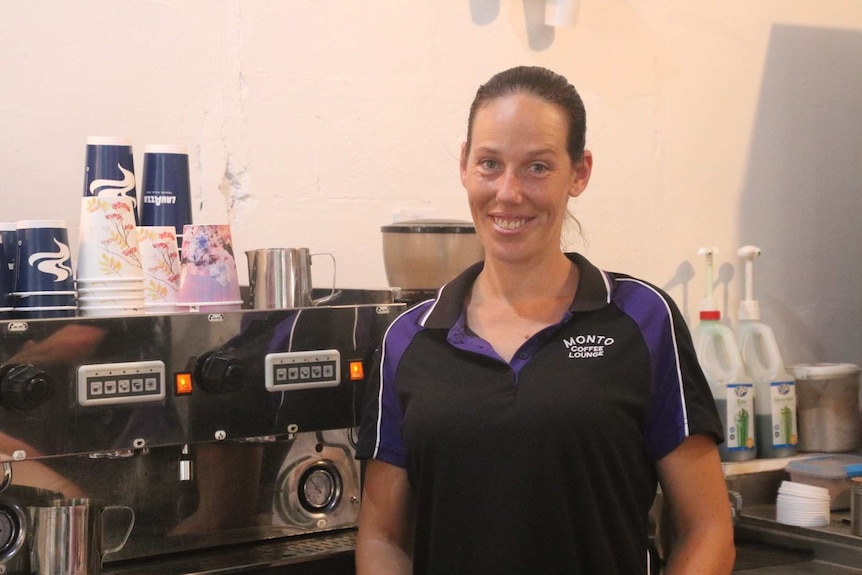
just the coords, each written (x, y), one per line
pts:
(542, 83)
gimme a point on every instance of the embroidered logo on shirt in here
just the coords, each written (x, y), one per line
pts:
(587, 345)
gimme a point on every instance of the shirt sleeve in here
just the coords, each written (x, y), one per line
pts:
(382, 415)
(682, 401)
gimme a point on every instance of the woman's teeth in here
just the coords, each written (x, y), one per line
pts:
(509, 224)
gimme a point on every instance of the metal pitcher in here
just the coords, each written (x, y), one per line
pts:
(67, 537)
(281, 278)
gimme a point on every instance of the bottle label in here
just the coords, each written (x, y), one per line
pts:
(784, 431)
(739, 435)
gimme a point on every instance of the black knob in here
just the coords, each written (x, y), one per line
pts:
(24, 387)
(219, 372)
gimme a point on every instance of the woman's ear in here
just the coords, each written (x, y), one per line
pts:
(582, 172)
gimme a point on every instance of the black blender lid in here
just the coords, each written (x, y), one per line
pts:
(430, 226)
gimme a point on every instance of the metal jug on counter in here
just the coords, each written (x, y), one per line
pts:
(68, 536)
(281, 278)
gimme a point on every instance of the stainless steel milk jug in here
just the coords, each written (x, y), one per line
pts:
(281, 278)
(66, 537)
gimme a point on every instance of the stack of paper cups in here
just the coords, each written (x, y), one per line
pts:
(110, 279)
(44, 287)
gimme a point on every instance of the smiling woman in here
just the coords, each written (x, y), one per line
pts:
(537, 390)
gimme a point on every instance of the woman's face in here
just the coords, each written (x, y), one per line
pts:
(519, 177)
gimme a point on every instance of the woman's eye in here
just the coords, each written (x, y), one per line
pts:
(538, 168)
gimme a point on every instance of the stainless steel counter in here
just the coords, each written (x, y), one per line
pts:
(766, 547)
(763, 559)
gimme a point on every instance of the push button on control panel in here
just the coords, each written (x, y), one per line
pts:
(117, 383)
(303, 369)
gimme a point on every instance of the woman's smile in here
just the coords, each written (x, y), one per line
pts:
(509, 224)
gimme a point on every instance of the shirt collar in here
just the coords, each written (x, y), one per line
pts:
(594, 289)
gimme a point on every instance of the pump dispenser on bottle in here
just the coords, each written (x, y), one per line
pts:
(719, 357)
(774, 388)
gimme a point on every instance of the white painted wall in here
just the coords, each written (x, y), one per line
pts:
(311, 122)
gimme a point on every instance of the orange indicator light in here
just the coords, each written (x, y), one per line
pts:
(357, 371)
(183, 383)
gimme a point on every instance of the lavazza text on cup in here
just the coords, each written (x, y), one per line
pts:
(166, 193)
(110, 169)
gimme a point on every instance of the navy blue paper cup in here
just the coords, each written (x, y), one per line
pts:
(110, 169)
(43, 260)
(166, 192)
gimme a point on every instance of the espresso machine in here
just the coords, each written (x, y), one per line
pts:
(230, 435)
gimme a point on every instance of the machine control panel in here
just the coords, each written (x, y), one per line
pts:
(290, 370)
(117, 383)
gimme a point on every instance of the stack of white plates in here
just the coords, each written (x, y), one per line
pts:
(802, 505)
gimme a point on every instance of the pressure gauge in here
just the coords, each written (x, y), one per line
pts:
(13, 530)
(319, 487)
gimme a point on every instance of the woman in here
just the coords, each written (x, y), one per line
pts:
(521, 420)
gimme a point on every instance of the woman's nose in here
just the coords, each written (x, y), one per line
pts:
(509, 189)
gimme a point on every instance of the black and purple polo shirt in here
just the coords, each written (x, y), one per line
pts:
(545, 464)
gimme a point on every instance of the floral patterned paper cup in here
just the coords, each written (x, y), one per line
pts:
(208, 268)
(160, 259)
(108, 240)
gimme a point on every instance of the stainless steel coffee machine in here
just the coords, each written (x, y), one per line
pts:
(230, 435)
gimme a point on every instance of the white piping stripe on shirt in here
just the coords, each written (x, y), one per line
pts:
(607, 285)
(675, 348)
(380, 389)
(428, 313)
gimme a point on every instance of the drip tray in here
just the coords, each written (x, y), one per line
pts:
(250, 558)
